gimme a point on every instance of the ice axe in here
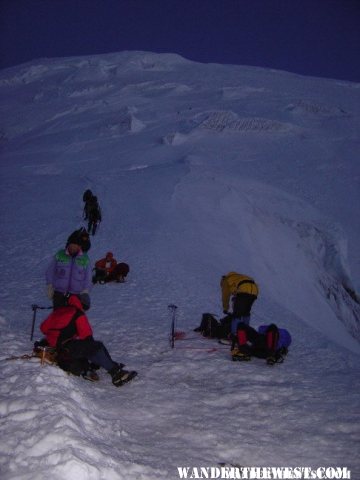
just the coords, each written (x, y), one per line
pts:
(34, 308)
(172, 309)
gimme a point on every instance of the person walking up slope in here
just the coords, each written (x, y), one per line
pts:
(87, 196)
(93, 214)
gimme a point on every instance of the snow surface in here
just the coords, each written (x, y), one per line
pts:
(199, 170)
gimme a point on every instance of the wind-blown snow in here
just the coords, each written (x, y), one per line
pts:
(199, 170)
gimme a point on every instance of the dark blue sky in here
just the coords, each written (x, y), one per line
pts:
(310, 37)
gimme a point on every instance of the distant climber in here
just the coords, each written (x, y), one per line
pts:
(108, 270)
(92, 211)
(87, 195)
(93, 214)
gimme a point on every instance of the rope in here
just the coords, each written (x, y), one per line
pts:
(204, 349)
(26, 356)
(41, 354)
(179, 335)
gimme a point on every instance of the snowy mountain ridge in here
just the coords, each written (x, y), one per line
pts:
(199, 170)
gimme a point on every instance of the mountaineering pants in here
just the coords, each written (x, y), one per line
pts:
(242, 303)
(92, 226)
(94, 351)
(259, 345)
(59, 300)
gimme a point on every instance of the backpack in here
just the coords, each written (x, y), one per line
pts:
(76, 366)
(119, 273)
(93, 210)
(212, 328)
(65, 358)
(209, 326)
(60, 355)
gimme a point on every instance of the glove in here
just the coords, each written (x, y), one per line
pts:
(84, 298)
(50, 291)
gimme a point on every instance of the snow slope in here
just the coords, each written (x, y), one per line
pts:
(200, 170)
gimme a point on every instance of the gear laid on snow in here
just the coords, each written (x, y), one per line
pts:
(213, 328)
(269, 342)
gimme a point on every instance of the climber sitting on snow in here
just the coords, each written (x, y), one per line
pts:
(269, 342)
(68, 331)
(108, 270)
(104, 267)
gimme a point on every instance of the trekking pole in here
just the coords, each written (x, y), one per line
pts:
(172, 309)
(34, 308)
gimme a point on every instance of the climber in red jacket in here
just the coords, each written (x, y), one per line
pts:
(68, 330)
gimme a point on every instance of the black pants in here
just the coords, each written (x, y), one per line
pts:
(59, 300)
(91, 350)
(100, 275)
(92, 226)
(242, 303)
(259, 345)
